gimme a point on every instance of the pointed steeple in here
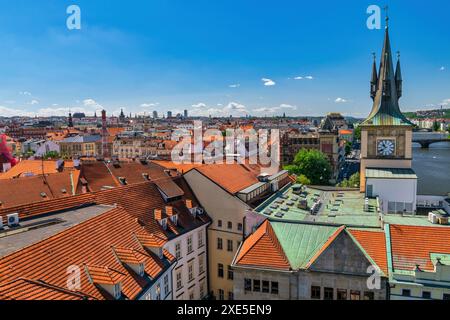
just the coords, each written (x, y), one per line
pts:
(70, 120)
(398, 77)
(374, 79)
(385, 109)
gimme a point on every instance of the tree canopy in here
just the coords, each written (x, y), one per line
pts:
(312, 164)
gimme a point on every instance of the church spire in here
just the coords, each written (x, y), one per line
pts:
(374, 79)
(398, 77)
(385, 109)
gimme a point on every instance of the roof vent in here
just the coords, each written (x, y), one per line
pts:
(146, 176)
(63, 190)
(43, 195)
(123, 181)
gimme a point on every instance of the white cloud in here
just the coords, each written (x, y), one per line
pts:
(340, 100)
(282, 106)
(33, 102)
(91, 103)
(445, 102)
(9, 112)
(149, 105)
(442, 68)
(268, 82)
(234, 109)
(303, 78)
(25, 93)
(236, 85)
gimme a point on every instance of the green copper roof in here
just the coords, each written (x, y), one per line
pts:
(388, 90)
(301, 241)
(444, 258)
(390, 173)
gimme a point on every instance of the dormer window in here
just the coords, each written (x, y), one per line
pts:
(174, 219)
(117, 291)
(163, 223)
(123, 181)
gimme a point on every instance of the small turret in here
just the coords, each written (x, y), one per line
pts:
(374, 80)
(398, 77)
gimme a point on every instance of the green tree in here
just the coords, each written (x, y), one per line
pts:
(436, 126)
(357, 133)
(313, 164)
(303, 180)
(348, 148)
(353, 182)
(51, 155)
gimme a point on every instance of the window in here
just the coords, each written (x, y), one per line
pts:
(219, 244)
(166, 284)
(247, 285)
(239, 226)
(230, 245)
(202, 290)
(446, 296)
(256, 285)
(265, 286)
(274, 287)
(189, 245)
(315, 292)
(178, 250)
(230, 225)
(368, 295)
(230, 295)
(179, 280)
(406, 292)
(200, 239)
(219, 223)
(220, 270)
(158, 292)
(230, 273)
(201, 264)
(328, 293)
(426, 294)
(191, 295)
(191, 271)
(355, 295)
(342, 294)
(221, 294)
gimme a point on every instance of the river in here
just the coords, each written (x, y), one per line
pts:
(432, 166)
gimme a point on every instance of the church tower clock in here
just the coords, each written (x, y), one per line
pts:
(386, 134)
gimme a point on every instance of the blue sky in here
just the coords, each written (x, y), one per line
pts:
(211, 56)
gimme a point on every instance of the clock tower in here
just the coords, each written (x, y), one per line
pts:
(386, 134)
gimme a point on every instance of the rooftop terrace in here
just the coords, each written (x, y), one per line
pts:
(331, 206)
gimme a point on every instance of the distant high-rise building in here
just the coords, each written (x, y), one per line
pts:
(155, 114)
(185, 113)
(169, 114)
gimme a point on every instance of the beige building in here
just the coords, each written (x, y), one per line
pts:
(227, 192)
(297, 261)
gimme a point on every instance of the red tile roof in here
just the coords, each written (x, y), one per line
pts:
(25, 289)
(374, 243)
(87, 244)
(232, 177)
(412, 245)
(33, 167)
(262, 249)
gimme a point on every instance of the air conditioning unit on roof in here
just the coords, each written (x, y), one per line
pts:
(13, 220)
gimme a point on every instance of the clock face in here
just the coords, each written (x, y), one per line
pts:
(386, 147)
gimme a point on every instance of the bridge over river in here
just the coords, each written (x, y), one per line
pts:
(427, 138)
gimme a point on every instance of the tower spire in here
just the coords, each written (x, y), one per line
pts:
(386, 93)
(374, 79)
(398, 77)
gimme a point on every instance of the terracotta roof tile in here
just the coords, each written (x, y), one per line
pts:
(104, 275)
(412, 245)
(232, 177)
(262, 249)
(374, 243)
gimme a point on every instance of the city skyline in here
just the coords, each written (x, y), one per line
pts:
(296, 59)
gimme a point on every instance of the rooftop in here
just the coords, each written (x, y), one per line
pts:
(337, 207)
(35, 230)
(390, 173)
